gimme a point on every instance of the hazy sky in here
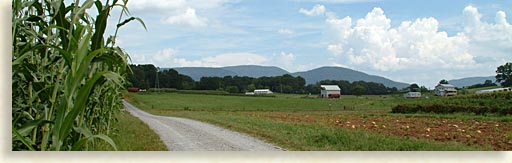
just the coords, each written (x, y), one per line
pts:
(404, 40)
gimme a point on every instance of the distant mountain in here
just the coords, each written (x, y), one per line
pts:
(340, 73)
(197, 72)
(245, 70)
(470, 81)
(256, 71)
(311, 76)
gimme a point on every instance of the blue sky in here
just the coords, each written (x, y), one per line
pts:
(408, 41)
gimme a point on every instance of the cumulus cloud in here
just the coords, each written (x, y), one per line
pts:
(169, 58)
(373, 45)
(287, 60)
(492, 41)
(231, 59)
(315, 11)
(341, 1)
(188, 18)
(178, 12)
(286, 31)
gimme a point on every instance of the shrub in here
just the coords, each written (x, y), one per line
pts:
(480, 104)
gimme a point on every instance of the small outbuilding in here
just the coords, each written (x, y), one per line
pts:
(330, 91)
(133, 89)
(445, 90)
(262, 91)
(494, 90)
(412, 95)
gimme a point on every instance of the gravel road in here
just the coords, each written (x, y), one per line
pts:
(181, 134)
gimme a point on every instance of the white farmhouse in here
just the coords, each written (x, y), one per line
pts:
(330, 91)
(262, 91)
(445, 90)
(412, 95)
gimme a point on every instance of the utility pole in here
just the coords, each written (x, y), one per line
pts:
(157, 82)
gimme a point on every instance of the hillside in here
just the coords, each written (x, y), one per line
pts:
(197, 72)
(311, 76)
(256, 71)
(340, 73)
(470, 81)
(244, 70)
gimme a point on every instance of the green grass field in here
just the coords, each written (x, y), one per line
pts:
(301, 122)
(282, 102)
(132, 134)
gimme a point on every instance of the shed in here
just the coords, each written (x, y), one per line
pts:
(262, 91)
(494, 90)
(445, 90)
(412, 95)
(330, 91)
(133, 89)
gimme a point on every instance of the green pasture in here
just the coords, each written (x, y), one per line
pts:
(281, 102)
(231, 112)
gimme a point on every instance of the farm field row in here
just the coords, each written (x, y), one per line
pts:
(298, 122)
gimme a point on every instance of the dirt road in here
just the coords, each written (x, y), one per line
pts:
(181, 134)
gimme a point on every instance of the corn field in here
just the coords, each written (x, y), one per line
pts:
(67, 78)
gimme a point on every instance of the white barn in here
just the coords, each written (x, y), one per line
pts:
(326, 90)
(445, 90)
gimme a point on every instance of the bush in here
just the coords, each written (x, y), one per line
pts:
(481, 104)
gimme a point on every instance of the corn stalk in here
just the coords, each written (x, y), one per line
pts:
(67, 78)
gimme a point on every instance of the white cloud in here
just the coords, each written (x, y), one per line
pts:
(492, 41)
(231, 59)
(287, 60)
(286, 31)
(315, 11)
(341, 1)
(335, 49)
(372, 44)
(189, 18)
(164, 57)
(178, 12)
(171, 5)
(168, 58)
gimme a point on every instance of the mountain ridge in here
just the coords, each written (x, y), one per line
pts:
(469, 81)
(341, 73)
(311, 76)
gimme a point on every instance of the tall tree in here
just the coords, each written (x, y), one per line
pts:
(358, 90)
(414, 87)
(423, 89)
(488, 83)
(444, 81)
(504, 74)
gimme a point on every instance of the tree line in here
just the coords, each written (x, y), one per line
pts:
(353, 88)
(145, 77)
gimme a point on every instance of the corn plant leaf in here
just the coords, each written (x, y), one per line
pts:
(106, 139)
(130, 19)
(78, 145)
(114, 77)
(100, 25)
(79, 105)
(28, 126)
(86, 5)
(60, 20)
(22, 139)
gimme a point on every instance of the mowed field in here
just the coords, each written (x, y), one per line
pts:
(355, 123)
